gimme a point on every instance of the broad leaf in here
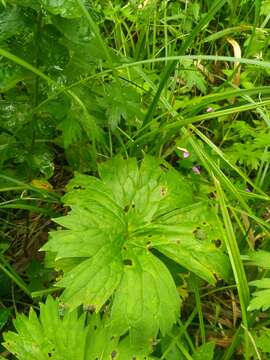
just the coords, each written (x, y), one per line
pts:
(146, 299)
(115, 233)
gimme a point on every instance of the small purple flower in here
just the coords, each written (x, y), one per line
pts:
(185, 152)
(209, 109)
(196, 170)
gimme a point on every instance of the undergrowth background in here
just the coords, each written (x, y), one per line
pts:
(184, 83)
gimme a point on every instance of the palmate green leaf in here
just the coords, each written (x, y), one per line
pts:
(121, 102)
(116, 229)
(50, 336)
(191, 76)
(61, 335)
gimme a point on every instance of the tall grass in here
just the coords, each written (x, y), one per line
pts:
(150, 53)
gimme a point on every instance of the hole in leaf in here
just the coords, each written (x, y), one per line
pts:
(133, 206)
(163, 167)
(212, 195)
(217, 242)
(199, 233)
(128, 262)
(90, 308)
(95, 327)
(126, 208)
(113, 354)
(195, 232)
(150, 235)
(163, 191)
(78, 187)
(149, 245)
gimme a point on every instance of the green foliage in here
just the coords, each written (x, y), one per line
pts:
(4, 317)
(249, 144)
(206, 351)
(51, 336)
(114, 233)
(261, 297)
(65, 8)
(262, 341)
(192, 77)
(83, 81)
(265, 7)
(121, 103)
(58, 334)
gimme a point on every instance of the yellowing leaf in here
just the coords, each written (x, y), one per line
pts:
(42, 184)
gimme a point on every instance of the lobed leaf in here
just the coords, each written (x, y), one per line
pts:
(261, 298)
(60, 335)
(50, 336)
(115, 234)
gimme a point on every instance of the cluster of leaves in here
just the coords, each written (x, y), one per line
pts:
(138, 235)
(250, 145)
(59, 334)
(114, 251)
(58, 41)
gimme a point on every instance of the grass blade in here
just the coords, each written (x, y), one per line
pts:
(235, 258)
(8, 270)
(185, 45)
